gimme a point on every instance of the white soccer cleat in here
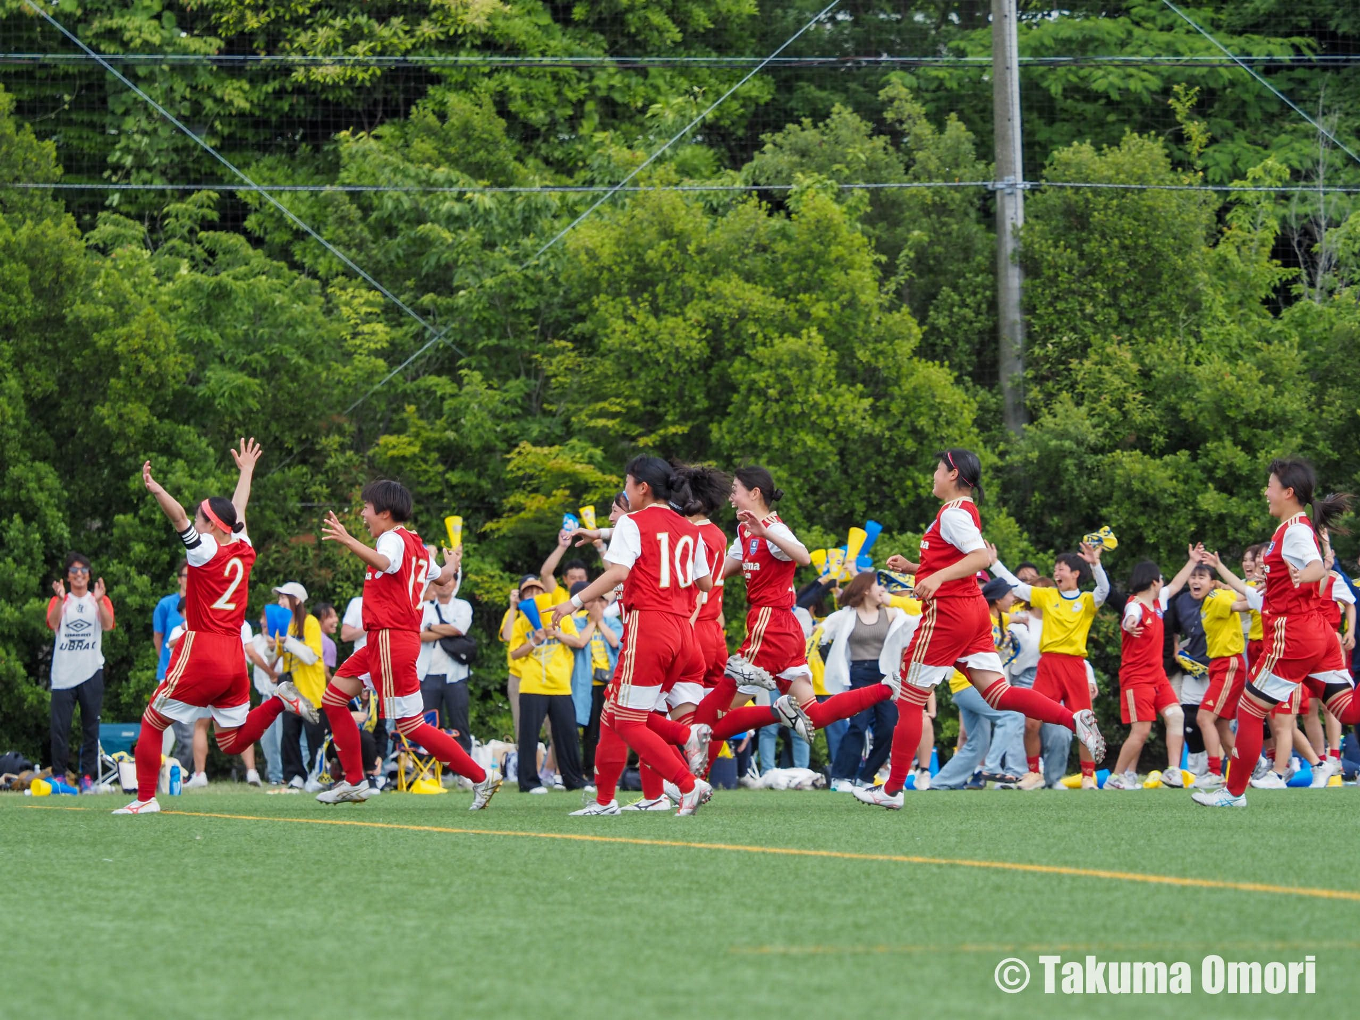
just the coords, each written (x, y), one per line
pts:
(1218, 798)
(791, 714)
(344, 793)
(1032, 781)
(198, 781)
(843, 786)
(1208, 781)
(696, 750)
(1272, 780)
(1171, 777)
(1322, 773)
(252, 777)
(893, 681)
(1089, 735)
(662, 803)
(483, 792)
(1127, 781)
(689, 802)
(294, 703)
(596, 808)
(140, 807)
(748, 674)
(875, 797)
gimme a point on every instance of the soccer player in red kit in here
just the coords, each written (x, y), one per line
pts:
(956, 629)
(1298, 646)
(774, 654)
(660, 558)
(208, 667)
(399, 568)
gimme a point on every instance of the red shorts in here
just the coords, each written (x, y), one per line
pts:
(1298, 702)
(206, 670)
(1227, 679)
(955, 632)
(1255, 648)
(658, 650)
(1063, 678)
(1295, 647)
(1336, 662)
(712, 642)
(389, 660)
(775, 642)
(1142, 702)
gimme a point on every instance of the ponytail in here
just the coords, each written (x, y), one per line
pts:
(1330, 509)
(708, 486)
(222, 512)
(666, 484)
(755, 477)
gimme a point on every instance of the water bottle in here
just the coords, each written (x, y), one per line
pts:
(934, 760)
(175, 777)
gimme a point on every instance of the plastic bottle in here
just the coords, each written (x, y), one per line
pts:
(175, 780)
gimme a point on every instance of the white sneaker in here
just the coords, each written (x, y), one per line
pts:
(1172, 777)
(922, 779)
(1089, 735)
(689, 802)
(1208, 781)
(1263, 766)
(696, 750)
(791, 714)
(539, 790)
(673, 792)
(1218, 798)
(294, 703)
(375, 787)
(843, 786)
(662, 803)
(1323, 773)
(1127, 781)
(297, 782)
(198, 781)
(1272, 780)
(483, 792)
(252, 777)
(314, 785)
(343, 793)
(596, 808)
(1031, 781)
(588, 788)
(875, 797)
(140, 807)
(893, 681)
(748, 674)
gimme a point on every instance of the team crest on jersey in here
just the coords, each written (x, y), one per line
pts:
(1077, 606)
(1271, 547)
(755, 545)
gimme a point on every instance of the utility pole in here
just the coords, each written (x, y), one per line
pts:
(1010, 210)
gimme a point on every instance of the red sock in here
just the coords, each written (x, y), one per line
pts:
(1027, 702)
(667, 728)
(652, 784)
(715, 701)
(1215, 765)
(442, 746)
(1334, 753)
(234, 741)
(148, 752)
(1346, 707)
(1034, 764)
(686, 716)
(1247, 748)
(344, 733)
(653, 750)
(1088, 768)
(846, 704)
(611, 756)
(739, 720)
(906, 738)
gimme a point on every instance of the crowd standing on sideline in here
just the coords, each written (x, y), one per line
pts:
(631, 658)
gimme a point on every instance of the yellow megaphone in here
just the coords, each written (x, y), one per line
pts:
(1153, 780)
(854, 544)
(454, 525)
(587, 515)
(835, 559)
(818, 557)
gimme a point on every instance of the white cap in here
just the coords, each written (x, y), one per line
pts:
(294, 589)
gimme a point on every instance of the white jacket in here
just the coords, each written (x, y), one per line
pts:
(836, 628)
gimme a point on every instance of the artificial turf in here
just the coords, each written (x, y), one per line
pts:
(188, 915)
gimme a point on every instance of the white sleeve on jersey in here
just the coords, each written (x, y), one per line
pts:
(1133, 614)
(246, 636)
(354, 613)
(782, 530)
(1255, 599)
(699, 564)
(1164, 598)
(957, 528)
(198, 549)
(391, 546)
(734, 550)
(1300, 547)
(1341, 592)
(626, 544)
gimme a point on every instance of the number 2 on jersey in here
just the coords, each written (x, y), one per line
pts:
(240, 569)
(684, 564)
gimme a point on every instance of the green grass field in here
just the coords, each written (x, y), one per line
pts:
(264, 916)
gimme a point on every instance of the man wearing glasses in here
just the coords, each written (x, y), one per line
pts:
(79, 618)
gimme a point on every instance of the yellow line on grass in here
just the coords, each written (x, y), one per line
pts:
(843, 855)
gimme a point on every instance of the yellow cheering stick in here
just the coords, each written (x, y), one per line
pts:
(818, 557)
(852, 547)
(587, 515)
(835, 559)
(1192, 666)
(1103, 537)
(454, 526)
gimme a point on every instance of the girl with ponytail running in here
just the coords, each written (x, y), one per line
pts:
(956, 628)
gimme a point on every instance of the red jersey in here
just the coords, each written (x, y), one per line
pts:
(664, 553)
(1141, 657)
(768, 571)
(393, 599)
(958, 521)
(219, 585)
(1280, 597)
(1330, 607)
(715, 542)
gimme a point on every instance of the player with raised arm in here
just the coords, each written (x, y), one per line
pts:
(956, 628)
(1298, 648)
(207, 668)
(399, 567)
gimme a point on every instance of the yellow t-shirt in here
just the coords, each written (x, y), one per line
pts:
(909, 605)
(512, 665)
(599, 651)
(1067, 619)
(815, 662)
(958, 682)
(1222, 628)
(547, 669)
(310, 679)
(1255, 631)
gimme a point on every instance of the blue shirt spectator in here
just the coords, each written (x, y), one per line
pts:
(166, 617)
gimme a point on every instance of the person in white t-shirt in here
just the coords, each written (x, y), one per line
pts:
(443, 679)
(79, 618)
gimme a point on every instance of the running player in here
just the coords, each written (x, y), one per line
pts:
(709, 488)
(1226, 644)
(1298, 646)
(1144, 690)
(207, 668)
(659, 557)
(956, 628)
(399, 569)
